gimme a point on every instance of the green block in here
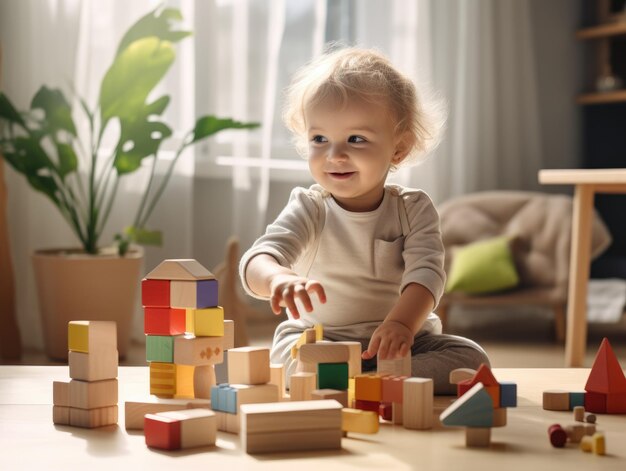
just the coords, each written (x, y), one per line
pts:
(332, 376)
(160, 348)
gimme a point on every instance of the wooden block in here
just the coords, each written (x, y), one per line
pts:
(473, 409)
(556, 399)
(401, 367)
(203, 381)
(92, 395)
(372, 406)
(268, 418)
(341, 396)
(461, 374)
(162, 432)
(595, 402)
(590, 418)
(616, 403)
(227, 422)
(229, 334)
(61, 394)
(575, 432)
(590, 429)
(359, 421)
(134, 410)
(193, 294)
(508, 394)
(493, 391)
(249, 365)
(171, 380)
(95, 366)
(254, 394)
(385, 411)
(86, 336)
(160, 348)
(368, 387)
(198, 427)
(354, 357)
(477, 436)
(221, 369)
(92, 418)
(205, 322)
(326, 352)
(292, 441)
(155, 293)
(499, 417)
(302, 385)
(180, 269)
(277, 377)
(351, 389)
(391, 388)
(417, 403)
(60, 415)
(579, 414)
(332, 376)
(198, 351)
(310, 336)
(163, 321)
(576, 398)
(606, 374)
(302, 367)
(557, 436)
(224, 398)
(397, 413)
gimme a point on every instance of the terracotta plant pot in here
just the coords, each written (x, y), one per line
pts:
(72, 285)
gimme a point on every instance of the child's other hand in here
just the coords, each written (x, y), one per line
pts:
(391, 341)
(285, 289)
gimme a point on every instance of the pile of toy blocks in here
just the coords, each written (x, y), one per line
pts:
(481, 404)
(89, 399)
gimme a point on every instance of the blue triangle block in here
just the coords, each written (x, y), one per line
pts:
(472, 409)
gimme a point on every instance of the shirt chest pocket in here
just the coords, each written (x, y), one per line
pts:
(388, 261)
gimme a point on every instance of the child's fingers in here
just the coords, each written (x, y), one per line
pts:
(275, 304)
(303, 296)
(384, 349)
(404, 349)
(313, 286)
(290, 302)
(372, 349)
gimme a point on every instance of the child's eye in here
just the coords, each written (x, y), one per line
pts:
(356, 140)
(319, 139)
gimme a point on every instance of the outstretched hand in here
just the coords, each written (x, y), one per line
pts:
(392, 340)
(285, 289)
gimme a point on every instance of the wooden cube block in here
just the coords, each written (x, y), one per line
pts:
(92, 395)
(354, 357)
(249, 365)
(359, 421)
(341, 396)
(229, 334)
(477, 436)
(372, 406)
(368, 387)
(277, 377)
(61, 394)
(205, 322)
(134, 410)
(86, 336)
(229, 423)
(198, 351)
(323, 352)
(193, 294)
(160, 348)
(576, 398)
(391, 388)
(170, 380)
(96, 366)
(400, 367)
(155, 293)
(508, 394)
(385, 411)
(60, 415)
(332, 375)
(417, 403)
(595, 402)
(198, 427)
(162, 432)
(163, 321)
(556, 399)
(92, 418)
(203, 381)
(302, 385)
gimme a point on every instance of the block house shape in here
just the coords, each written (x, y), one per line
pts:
(606, 384)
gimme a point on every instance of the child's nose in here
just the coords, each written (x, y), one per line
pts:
(337, 152)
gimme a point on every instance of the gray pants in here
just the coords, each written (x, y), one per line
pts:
(433, 356)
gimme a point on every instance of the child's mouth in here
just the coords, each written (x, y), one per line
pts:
(341, 175)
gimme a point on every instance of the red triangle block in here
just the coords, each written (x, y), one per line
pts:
(606, 374)
(485, 376)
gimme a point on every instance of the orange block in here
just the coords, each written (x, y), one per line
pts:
(368, 387)
(392, 387)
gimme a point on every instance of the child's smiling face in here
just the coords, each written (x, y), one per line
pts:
(351, 149)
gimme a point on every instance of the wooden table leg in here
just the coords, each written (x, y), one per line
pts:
(576, 337)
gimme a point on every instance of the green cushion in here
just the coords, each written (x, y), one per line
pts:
(486, 266)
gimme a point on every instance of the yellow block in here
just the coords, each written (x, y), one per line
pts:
(351, 388)
(359, 421)
(319, 332)
(78, 336)
(170, 379)
(206, 322)
(95, 335)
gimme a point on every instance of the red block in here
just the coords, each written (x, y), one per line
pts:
(606, 374)
(392, 388)
(485, 376)
(155, 293)
(595, 402)
(367, 405)
(162, 432)
(616, 403)
(385, 410)
(463, 387)
(163, 321)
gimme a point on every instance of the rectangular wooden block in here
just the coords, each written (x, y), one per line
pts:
(302, 385)
(230, 397)
(477, 436)
(401, 367)
(277, 377)
(198, 351)
(368, 387)
(61, 394)
(134, 410)
(60, 415)
(203, 381)
(290, 416)
(163, 321)
(229, 334)
(555, 399)
(92, 395)
(354, 359)
(294, 440)
(171, 380)
(205, 322)
(160, 348)
(324, 352)
(392, 387)
(92, 418)
(86, 336)
(198, 427)
(155, 293)
(359, 421)
(249, 365)
(417, 403)
(508, 394)
(96, 366)
(332, 376)
(193, 294)
(372, 406)
(162, 432)
(338, 395)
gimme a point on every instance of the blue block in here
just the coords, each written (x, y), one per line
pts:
(224, 398)
(576, 399)
(215, 398)
(230, 400)
(206, 293)
(508, 394)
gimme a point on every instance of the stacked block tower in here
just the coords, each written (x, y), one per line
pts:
(90, 398)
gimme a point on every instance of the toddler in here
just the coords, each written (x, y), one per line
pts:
(370, 252)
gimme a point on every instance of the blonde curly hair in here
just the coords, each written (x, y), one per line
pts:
(355, 73)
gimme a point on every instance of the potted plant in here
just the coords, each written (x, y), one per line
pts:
(44, 144)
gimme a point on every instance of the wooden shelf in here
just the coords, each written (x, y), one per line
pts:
(602, 31)
(600, 98)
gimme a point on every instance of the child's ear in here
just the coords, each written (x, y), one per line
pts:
(403, 148)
